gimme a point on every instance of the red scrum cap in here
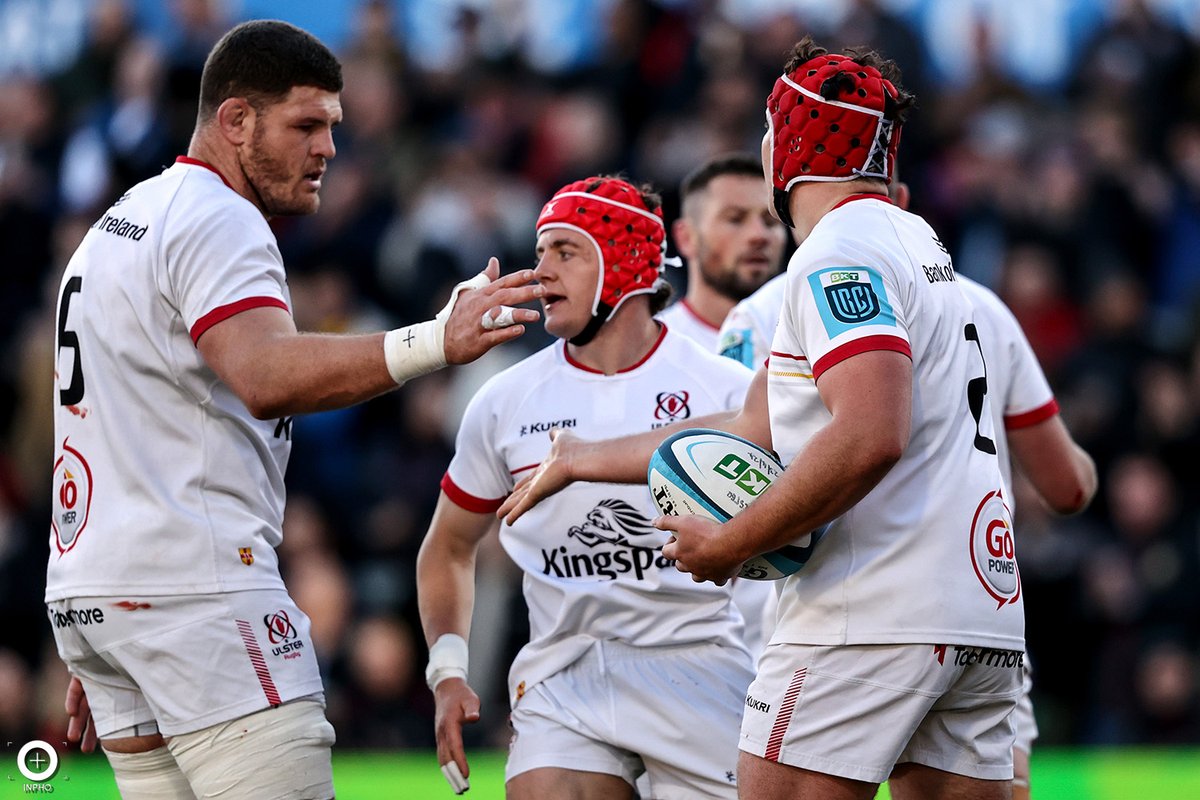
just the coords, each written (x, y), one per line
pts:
(629, 239)
(831, 119)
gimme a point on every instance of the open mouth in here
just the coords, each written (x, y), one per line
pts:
(549, 300)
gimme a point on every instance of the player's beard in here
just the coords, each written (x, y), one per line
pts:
(731, 283)
(274, 183)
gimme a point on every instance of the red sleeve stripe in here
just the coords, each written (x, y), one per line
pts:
(863, 345)
(793, 357)
(1039, 414)
(225, 312)
(522, 469)
(468, 501)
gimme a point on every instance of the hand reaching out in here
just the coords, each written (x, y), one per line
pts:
(467, 336)
(551, 476)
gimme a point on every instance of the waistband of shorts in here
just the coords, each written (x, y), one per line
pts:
(968, 655)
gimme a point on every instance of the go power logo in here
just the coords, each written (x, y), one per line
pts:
(37, 764)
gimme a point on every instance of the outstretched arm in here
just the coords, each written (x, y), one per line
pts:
(277, 371)
(446, 597)
(625, 460)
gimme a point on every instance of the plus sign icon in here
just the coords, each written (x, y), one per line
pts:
(38, 762)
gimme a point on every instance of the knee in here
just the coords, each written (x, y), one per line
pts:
(149, 774)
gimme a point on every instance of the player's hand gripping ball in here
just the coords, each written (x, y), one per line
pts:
(713, 474)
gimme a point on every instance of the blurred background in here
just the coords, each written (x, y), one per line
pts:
(1056, 148)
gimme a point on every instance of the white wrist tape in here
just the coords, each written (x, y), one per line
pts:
(447, 659)
(416, 350)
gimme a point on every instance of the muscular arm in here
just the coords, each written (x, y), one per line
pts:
(1063, 474)
(870, 398)
(626, 459)
(277, 371)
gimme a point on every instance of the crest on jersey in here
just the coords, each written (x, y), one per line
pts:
(247, 555)
(847, 297)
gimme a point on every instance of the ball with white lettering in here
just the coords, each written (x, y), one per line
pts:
(713, 474)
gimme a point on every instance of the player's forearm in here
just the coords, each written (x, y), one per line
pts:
(838, 467)
(302, 373)
(626, 459)
(1061, 471)
(445, 590)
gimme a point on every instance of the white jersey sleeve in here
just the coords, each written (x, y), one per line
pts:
(748, 329)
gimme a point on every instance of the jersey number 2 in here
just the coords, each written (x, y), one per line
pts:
(976, 390)
(66, 338)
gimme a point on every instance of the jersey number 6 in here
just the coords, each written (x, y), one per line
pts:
(66, 338)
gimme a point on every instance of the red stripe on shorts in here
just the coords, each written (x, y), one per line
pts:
(260, 663)
(784, 718)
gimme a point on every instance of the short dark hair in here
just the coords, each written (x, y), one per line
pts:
(806, 49)
(728, 164)
(262, 60)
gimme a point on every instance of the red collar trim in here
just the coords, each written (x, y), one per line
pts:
(863, 196)
(691, 310)
(198, 163)
(661, 334)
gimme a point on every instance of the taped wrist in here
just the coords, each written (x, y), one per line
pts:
(447, 659)
(416, 350)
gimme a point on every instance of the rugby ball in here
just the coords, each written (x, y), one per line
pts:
(713, 474)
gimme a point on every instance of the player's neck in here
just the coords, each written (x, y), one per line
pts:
(224, 161)
(707, 303)
(622, 342)
(812, 200)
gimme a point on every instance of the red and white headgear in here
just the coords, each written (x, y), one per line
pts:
(629, 238)
(831, 119)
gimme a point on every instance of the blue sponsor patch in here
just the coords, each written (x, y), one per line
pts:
(848, 297)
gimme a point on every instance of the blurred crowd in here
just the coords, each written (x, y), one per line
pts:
(1076, 195)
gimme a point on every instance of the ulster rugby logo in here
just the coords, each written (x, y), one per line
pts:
(672, 406)
(72, 497)
(992, 552)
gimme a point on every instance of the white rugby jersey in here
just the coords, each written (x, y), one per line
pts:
(163, 481)
(927, 556)
(747, 331)
(1021, 395)
(680, 317)
(592, 561)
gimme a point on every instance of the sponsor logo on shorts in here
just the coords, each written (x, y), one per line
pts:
(964, 656)
(282, 633)
(76, 616)
(992, 551)
(755, 704)
(545, 427)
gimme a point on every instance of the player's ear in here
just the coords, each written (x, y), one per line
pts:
(235, 119)
(902, 195)
(684, 236)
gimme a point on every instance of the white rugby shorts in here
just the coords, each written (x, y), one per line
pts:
(673, 712)
(185, 661)
(855, 711)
